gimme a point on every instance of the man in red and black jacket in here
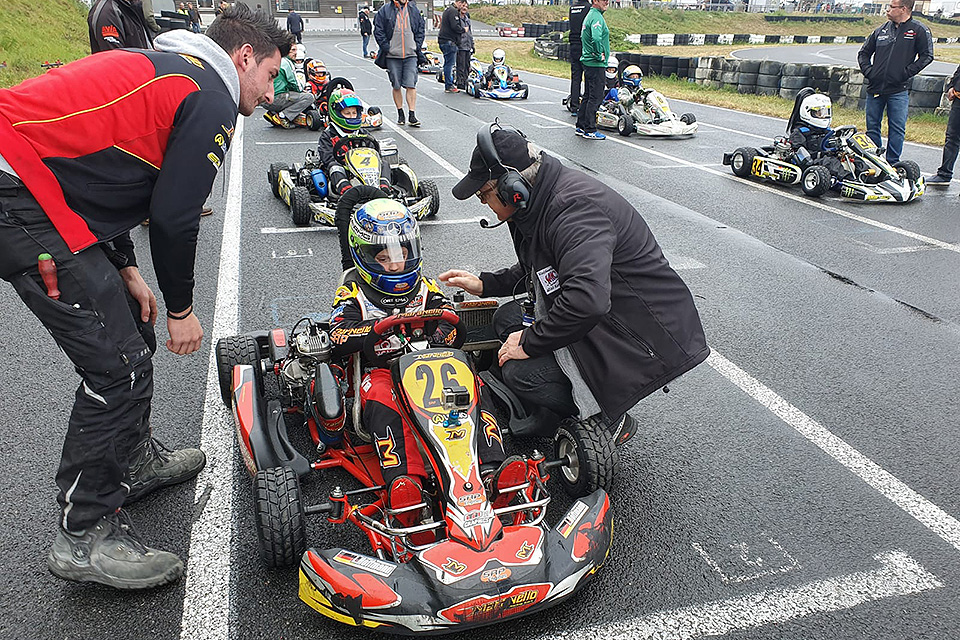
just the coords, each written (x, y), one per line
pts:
(117, 24)
(143, 135)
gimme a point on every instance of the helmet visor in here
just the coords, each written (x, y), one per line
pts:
(821, 112)
(391, 255)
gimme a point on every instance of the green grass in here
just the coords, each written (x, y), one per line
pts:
(32, 32)
(925, 128)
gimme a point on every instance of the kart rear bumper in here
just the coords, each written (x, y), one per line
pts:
(449, 587)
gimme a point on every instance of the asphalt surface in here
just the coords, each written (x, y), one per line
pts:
(834, 54)
(799, 485)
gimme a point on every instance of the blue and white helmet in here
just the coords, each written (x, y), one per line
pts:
(632, 76)
(385, 246)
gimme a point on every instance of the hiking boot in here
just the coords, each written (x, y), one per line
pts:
(152, 465)
(111, 553)
(401, 119)
(501, 485)
(937, 180)
(623, 429)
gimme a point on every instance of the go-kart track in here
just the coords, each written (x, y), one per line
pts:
(801, 484)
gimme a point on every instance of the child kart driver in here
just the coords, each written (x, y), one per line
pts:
(610, 76)
(345, 112)
(489, 76)
(812, 139)
(385, 247)
(630, 89)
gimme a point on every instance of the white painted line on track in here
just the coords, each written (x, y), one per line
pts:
(452, 170)
(324, 229)
(898, 575)
(206, 610)
(886, 484)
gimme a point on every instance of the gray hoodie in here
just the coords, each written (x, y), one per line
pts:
(199, 45)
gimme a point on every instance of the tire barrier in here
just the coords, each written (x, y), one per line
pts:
(793, 77)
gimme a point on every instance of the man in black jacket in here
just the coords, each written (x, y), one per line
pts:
(889, 58)
(295, 25)
(951, 142)
(450, 31)
(115, 24)
(366, 29)
(614, 322)
(578, 11)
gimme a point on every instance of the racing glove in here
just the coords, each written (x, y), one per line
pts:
(342, 186)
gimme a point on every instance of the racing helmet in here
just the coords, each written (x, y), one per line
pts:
(499, 56)
(612, 65)
(816, 110)
(340, 100)
(632, 76)
(316, 71)
(384, 242)
(301, 53)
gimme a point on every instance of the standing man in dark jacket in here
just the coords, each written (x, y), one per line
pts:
(614, 322)
(147, 143)
(295, 25)
(113, 24)
(578, 11)
(399, 30)
(894, 53)
(595, 44)
(951, 143)
(448, 39)
(366, 30)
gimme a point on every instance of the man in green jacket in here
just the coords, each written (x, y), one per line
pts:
(289, 99)
(595, 39)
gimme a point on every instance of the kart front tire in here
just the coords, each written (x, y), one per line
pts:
(429, 188)
(625, 126)
(688, 118)
(908, 169)
(313, 120)
(273, 177)
(281, 526)
(815, 180)
(300, 206)
(741, 161)
(526, 92)
(591, 457)
(234, 350)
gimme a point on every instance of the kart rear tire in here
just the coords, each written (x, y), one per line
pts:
(526, 92)
(281, 526)
(273, 177)
(688, 118)
(741, 161)
(234, 350)
(313, 120)
(592, 457)
(300, 207)
(908, 169)
(625, 126)
(429, 188)
(815, 180)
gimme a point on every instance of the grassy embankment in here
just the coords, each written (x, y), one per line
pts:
(926, 128)
(32, 32)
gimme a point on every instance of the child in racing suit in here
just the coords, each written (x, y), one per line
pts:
(385, 246)
(812, 141)
(611, 77)
(345, 112)
(630, 89)
(489, 76)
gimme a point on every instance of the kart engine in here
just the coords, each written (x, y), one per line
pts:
(307, 348)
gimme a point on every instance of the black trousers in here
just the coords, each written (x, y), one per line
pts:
(299, 35)
(576, 74)
(951, 143)
(463, 68)
(96, 324)
(592, 97)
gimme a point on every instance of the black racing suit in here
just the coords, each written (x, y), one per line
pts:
(489, 77)
(332, 165)
(356, 309)
(820, 145)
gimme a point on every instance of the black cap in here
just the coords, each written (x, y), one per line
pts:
(511, 147)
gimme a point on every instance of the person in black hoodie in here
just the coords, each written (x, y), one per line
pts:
(366, 30)
(614, 322)
(578, 11)
(451, 30)
(951, 142)
(898, 50)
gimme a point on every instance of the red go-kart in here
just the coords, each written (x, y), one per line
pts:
(466, 564)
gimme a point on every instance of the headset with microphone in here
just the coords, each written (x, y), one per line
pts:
(512, 188)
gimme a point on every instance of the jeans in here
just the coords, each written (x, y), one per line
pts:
(896, 105)
(592, 97)
(951, 144)
(366, 41)
(576, 75)
(449, 51)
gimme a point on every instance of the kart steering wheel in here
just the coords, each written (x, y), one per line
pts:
(845, 131)
(422, 324)
(346, 143)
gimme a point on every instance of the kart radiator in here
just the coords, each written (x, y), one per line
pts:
(476, 321)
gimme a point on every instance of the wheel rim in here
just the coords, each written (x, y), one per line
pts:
(811, 180)
(568, 449)
(737, 161)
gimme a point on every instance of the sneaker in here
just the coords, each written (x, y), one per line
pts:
(206, 211)
(623, 429)
(593, 135)
(937, 180)
(414, 122)
(451, 90)
(111, 553)
(401, 119)
(269, 117)
(579, 132)
(152, 466)
(501, 485)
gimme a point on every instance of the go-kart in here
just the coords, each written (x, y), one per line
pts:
(466, 564)
(310, 119)
(502, 87)
(434, 63)
(649, 115)
(370, 118)
(865, 174)
(306, 190)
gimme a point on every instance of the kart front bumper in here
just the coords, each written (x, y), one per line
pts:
(449, 587)
(897, 191)
(670, 129)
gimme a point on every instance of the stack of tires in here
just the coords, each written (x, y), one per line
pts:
(669, 67)
(747, 80)
(839, 76)
(820, 77)
(926, 92)
(793, 77)
(768, 79)
(656, 65)
(701, 74)
(643, 62)
(714, 79)
(854, 90)
(683, 68)
(730, 72)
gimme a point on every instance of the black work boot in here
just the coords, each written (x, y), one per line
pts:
(152, 465)
(111, 553)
